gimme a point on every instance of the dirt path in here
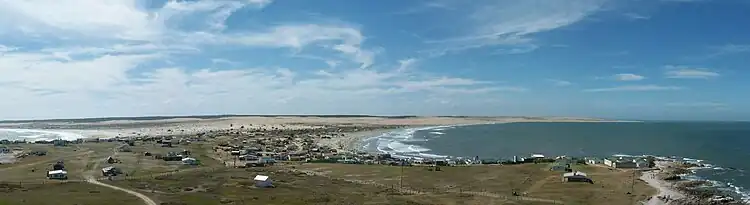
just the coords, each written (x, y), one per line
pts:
(91, 179)
(145, 198)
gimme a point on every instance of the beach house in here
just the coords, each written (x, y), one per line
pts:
(576, 177)
(110, 171)
(189, 161)
(262, 181)
(57, 174)
(620, 163)
(4, 149)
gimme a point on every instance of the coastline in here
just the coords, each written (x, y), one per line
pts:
(665, 190)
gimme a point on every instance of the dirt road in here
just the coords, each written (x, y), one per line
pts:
(145, 198)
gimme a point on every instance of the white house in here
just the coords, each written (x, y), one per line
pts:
(189, 161)
(262, 181)
(537, 156)
(576, 177)
(57, 174)
(4, 149)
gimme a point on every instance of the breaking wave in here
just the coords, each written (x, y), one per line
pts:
(396, 143)
(37, 135)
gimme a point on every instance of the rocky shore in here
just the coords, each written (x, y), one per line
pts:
(674, 189)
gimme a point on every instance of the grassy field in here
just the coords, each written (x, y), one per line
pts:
(235, 186)
(90, 158)
(311, 183)
(62, 194)
(610, 187)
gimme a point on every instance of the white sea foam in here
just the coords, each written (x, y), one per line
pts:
(37, 135)
(396, 143)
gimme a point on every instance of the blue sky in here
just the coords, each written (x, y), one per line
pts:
(631, 59)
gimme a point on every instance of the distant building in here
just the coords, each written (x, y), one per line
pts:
(189, 161)
(57, 174)
(262, 181)
(593, 161)
(621, 163)
(110, 171)
(59, 142)
(576, 177)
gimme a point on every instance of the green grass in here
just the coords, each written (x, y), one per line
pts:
(236, 186)
(63, 194)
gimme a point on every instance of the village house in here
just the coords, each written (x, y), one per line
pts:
(110, 171)
(591, 161)
(189, 161)
(620, 163)
(57, 174)
(262, 181)
(4, 149)
(576, 177)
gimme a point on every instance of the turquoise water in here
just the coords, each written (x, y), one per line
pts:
(725, 146)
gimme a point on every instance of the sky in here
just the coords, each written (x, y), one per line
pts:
(617, 59)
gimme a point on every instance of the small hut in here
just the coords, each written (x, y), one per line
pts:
(576, 177)
(57, 174)
(111, 160)
(189, 161)
(262, 181)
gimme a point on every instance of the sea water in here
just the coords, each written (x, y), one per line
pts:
(30, 135)
(723, 147)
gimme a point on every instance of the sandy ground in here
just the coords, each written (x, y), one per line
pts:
(664, 188)
(194, 125)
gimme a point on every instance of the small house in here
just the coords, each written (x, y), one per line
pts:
(262, 181)
(536, 156)
(189, 161)
(57, 174)
(58, 166)
(624, 164)
(592, 161)
(59, 142)
(267, 160)
(111, 160)
(576, 177)
(110, 171)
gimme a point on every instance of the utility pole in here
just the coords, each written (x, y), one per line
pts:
(401, 178)
(632, 182)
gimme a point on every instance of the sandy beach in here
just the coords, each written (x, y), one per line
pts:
(187, 125)
(665, 191)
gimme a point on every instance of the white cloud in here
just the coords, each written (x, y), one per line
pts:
(636, 16)
(345, 39)
(406, 64)
(726, 50)
(560, 83)
(696, 104)
(684, 72)
(628, 77)
(634, 88)
(508, 22)
(128, 60)
(113, 19)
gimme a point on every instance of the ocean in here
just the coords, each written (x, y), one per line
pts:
(724, 147)
(36, 135)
